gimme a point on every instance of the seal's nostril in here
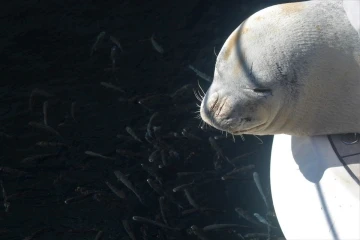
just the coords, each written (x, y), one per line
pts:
(247, 119)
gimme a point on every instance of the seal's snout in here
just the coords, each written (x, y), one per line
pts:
(217, 111)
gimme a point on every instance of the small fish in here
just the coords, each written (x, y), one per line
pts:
(128, 229)
(94, 154)
(190, 199)
(221, 226)
(186, 134)
(45, 111)
(161, 192)
(240, 157)
(37, 233)
(5, 135)
(220, 137)
(198, 232)
(243, 214)
(181, 91)
(149, 125)
(5, 198)
(219, 153)
(262, 220)
(203, 209)
(99, 39)
(50, 144)
(156, 45)
(121, 177)
(117, 43)
(133, 134)
(38, 92)
(7, 171)
(129, 154)
(183, 186)
(113, 58)
(152, 172)
(38, 158)
(112, 86)
(115, 190)
(200, 74)
(162, 209)
(44, 127)
(154, 155)
(99, 235)
(258, 185)
(163, 158)
(155, 223)
(78, 198)
(185, 174)
(237, 170)
(72, 110)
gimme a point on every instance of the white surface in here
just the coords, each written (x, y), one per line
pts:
(313, 195)
(352, 9)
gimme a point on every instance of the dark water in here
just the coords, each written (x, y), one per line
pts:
(46, 45)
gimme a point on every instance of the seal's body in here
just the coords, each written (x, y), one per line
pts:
(290, 68)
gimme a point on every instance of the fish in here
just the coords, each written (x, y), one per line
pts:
(161, 192)
(154, 155)
(45, 111)
(38, 158)
(39, 92)
(50, 144)
(121, 177)
(99, 235)
(5, 198)
(199, 232)
(263, 220)
(149, 125)
(72, 110)
(190, 199)
(219, 154)
(221, 226)
(243, 214)
(115, 190)
(151, 171)
(200, 74)
(112, 86)
(128, 229)
(156, 45)
(116, 42)
(79, 198)
(133, 134)
(238, 170)
(94, 154)
(162, 209)
(99, 39)
(113, 58)
(258, 185)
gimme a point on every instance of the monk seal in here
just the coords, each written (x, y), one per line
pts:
(288, 69)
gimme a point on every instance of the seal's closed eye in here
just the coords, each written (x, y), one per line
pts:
(262, 90)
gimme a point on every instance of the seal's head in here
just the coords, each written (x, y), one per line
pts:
(281, 71)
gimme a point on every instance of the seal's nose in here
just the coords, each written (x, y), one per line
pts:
(215, 110)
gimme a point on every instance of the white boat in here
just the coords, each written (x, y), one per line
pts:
(315, 185)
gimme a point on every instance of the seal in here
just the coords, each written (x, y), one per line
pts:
(288, 69)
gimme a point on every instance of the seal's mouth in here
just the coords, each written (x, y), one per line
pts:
(244, 131)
